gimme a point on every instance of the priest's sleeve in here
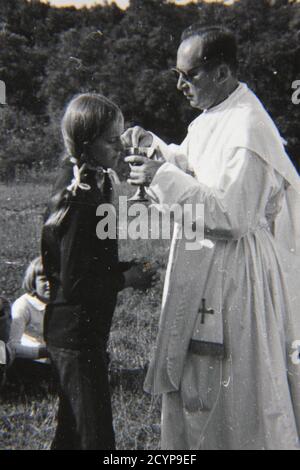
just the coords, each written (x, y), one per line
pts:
(175, 154)
(233, 207)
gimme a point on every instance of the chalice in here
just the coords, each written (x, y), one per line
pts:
(148, 152)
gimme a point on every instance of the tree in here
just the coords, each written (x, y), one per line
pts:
(48, 54)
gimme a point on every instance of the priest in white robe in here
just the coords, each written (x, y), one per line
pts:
(226, 358)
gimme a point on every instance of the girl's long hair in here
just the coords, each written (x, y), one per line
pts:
(86, 118)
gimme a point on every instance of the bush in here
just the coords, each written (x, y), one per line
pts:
(28, 143)
(48, 54)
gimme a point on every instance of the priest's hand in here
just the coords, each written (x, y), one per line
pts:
(142, 170)
(137, 137)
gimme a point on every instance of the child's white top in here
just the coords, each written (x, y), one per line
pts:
(27, 317)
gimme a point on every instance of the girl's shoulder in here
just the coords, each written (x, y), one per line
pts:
(28, 300)
(20, 306)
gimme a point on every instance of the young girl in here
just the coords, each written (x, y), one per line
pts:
(84, 273)
(28, 314)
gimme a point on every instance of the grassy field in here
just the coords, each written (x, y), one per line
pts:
(28, 402)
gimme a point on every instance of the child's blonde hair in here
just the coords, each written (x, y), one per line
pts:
(34, 269)
(86, 118)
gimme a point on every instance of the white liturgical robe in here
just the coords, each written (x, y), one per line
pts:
(247, 396)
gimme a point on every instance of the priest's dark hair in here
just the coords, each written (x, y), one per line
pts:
(219, 44)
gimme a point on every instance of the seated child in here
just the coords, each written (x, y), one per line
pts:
(28, 314)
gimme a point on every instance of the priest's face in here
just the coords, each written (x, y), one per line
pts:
(199, 84)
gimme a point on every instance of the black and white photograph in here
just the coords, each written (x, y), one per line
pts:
(149, 227)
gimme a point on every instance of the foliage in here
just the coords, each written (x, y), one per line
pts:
(48, 54)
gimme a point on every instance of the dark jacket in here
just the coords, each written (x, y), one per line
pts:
(84, 272)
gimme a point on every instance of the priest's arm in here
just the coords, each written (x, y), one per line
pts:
(172, 153)
(234, 207)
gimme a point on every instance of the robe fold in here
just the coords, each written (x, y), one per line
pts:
(247, 270)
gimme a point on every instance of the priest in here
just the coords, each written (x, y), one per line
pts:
(226, 358)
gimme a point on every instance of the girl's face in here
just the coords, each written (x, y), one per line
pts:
(42, 288)
(106, 150)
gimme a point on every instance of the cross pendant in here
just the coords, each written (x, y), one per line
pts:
(204, 311)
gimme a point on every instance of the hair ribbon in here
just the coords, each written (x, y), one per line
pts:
(76, 181)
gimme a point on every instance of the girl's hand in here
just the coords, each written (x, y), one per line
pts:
(141, 276)
(43, 352)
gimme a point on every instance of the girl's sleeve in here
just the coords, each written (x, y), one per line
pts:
(233, 208)
(83, 277)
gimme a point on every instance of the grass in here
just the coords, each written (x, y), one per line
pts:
(29, 403)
